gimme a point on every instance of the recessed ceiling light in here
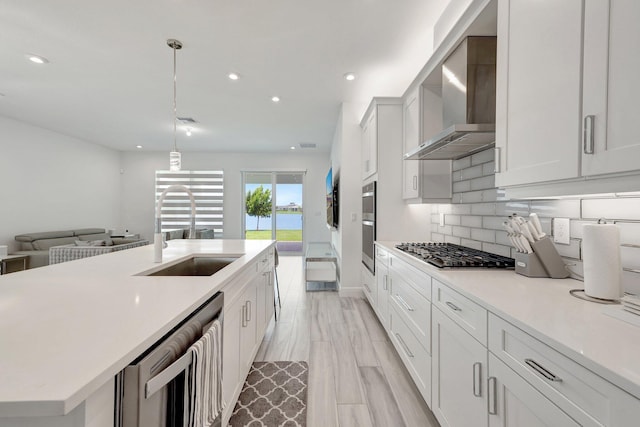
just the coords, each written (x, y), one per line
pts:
(350, 76)
(37, 59)
(138, 146)
(275, 99)
(233, 76)
(292, 147)
(188, 131)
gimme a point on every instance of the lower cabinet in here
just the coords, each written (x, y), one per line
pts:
(459, 366)
(369, 286)
(514, 403)
(382, 288)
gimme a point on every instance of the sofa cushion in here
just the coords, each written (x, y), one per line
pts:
(82, 243)
(45, 244)
(81, 231)
(121, 240)
(30, 237)
(97, 236)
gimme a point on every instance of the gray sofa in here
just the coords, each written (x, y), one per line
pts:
(37, 245)
(183, 233)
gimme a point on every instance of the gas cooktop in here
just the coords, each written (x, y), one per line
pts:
(449, 255)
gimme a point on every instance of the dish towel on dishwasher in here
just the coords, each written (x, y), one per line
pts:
(205, 378)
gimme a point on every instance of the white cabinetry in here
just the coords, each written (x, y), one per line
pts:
(459, 369)
(424, 180)
(567, 95)
(369, 286)
(382, 286)
(369, 145)
(611, 87)
(538, 90)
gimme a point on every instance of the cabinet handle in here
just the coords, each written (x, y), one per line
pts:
(493, 398)
(404, 303)
(244, 316)
(477, 380)
(248, 311)
(542, 371)
(415, 182)
(384, 284)
(496, 160)
(404, 346)
(587, 135)
(452, 306)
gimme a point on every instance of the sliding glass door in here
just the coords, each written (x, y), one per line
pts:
(273, 208)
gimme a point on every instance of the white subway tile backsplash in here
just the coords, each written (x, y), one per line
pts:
(489, 195)
(472, 172)
(630, 257)
(471, 197)
(445, 209)
(452, 219)
(571, 250)
(497, 249)
(483, 235)
(456, 176)
(437, 237)
(461, 231)
(575, 229)
(488, 168)
(629, 232)
(435, 218)
(492, 222)
(519, 207)
(483, 209)
(482, 157)
(502, 238)
(452, 239)
(445, 230)
(623, 208)
(471, 244)
(461, 209)
(482, 183)
(462, 163)
(471, 221)
(461, 186)
(569, 208)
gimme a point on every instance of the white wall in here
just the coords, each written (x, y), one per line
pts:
(138, 189)
(345, 161)
(54, 182)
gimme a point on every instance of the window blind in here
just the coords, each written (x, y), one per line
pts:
(208, 190)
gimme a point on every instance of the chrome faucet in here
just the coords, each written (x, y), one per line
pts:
(158, 241)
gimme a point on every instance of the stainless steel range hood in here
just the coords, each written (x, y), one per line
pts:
(469, 103)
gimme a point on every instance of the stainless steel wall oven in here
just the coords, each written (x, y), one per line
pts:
(369, 225)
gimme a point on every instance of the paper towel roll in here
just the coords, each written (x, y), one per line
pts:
(601, 257)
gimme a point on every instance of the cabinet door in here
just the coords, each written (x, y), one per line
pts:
(247, 328)
(411, 168)
(459, 367)
(231, 349)
(261, 308)
(515, 403)
(369, 146)
(269, 296)
(611, 142)
(382, 281)
(538, 108)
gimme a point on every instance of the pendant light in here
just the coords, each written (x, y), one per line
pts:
(175, 158)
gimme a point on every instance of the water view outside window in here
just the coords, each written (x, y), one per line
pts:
(273, 209)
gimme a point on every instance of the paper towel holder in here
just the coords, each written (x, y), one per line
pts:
(579, 293)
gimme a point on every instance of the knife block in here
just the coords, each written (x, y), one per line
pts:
(550, 258)
(529, 265)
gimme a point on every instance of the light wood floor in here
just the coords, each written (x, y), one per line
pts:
(355, 375)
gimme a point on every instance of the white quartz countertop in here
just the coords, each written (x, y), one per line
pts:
(579, 329)
(68, 328)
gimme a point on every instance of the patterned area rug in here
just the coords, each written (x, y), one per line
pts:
(275, 394)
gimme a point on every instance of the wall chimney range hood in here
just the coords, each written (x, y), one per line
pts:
(469, 103)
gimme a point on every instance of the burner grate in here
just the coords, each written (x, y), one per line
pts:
(445, 255)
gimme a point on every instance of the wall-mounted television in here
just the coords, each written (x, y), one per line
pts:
(331, 195)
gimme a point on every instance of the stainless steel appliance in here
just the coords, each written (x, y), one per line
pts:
(151, 391)
(449, 255)
(369, 225)
(469, 103)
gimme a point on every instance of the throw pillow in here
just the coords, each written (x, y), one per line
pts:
(82, 243)
(97, 243)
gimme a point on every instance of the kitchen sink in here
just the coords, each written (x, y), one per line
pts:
(195, 266)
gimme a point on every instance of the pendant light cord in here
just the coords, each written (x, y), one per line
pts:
(175, 109)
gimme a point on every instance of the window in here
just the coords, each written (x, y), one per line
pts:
(208, 190)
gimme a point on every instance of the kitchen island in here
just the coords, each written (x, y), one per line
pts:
(69, 328)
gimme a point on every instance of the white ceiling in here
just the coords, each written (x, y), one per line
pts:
(109, 80)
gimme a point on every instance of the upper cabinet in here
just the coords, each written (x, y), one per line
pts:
(424, 180)
(369, 145)
(610, 100)
(566, 94)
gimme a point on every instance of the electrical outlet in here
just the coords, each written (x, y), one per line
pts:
(441, 219)
(561, 231)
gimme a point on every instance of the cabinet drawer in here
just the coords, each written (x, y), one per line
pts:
(466, 313)
(382, 256)
(414, 356)
(585, 396)
(369, 286)
(415, 309)
(419, 280)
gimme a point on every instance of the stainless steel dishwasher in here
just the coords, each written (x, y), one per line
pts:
(151, 391)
